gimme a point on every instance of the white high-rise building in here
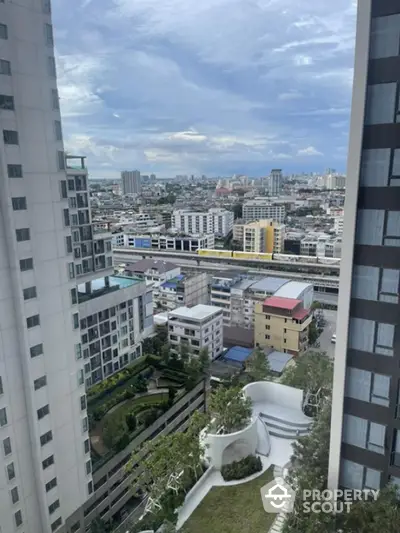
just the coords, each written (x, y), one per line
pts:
(275, 182)
(216, 221)
(46, 471)
(131, 182)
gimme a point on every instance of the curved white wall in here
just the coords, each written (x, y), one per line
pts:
(215, 445)
(269, 392)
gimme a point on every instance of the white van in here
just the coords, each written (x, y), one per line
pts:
(333, 339)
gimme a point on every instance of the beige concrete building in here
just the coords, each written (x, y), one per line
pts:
(262, 236)
(282, 324)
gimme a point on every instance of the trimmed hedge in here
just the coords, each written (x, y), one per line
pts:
(240, 469)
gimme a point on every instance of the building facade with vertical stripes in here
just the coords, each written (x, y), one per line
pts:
(365, 429)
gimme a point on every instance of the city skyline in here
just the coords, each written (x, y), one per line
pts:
(198, 98)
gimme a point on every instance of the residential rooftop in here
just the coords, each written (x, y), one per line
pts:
(151, 264)
(198, 312)
(269, 284)
(282, 303)
(292, 289)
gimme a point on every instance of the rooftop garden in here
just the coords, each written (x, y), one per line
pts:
(233, 509)
(125, 404)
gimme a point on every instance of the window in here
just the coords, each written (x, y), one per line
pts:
(26, 264)
(78, 351)
(43, 411)
(385, 37)
(33, 321)
(58, 130)
(369, 336)
(46, 6)
(18, 518)
(51, 484)
(55, 505)
(88, 467)
(85, 425)
(54, 99)
(29, 293)
(81, 377)
(10, 137)
(267, 337)
(367, 386)
(3, 31)
(1, 386)
(18, 203)
(75, 527)
(86, 445)
(23, 234)
(6, 102)
(267, 327)
(66, 217)
(356, 476)
(83, 402)
(3, 417)
(5, 67)
(36, 350)
(61, 161)
(48, 462)
(68, 244)
(90, 487)
(55, 525)
(10, 471)
(363, 433)
(51, 66)
(63, 189)
(381, 104)
(71, 270)
(72, 203)
(14, 495)
(48, 29)
(74, 296)
(46, 438)
(75, 320)
(7, 446)
(14, 171)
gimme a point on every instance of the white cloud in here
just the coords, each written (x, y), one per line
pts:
(309, 151)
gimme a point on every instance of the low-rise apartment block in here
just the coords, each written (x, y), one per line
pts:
(116, 315)
(200, 326)
(183, 290)
(262, 236)
(216, 221)
(321, 245)
(282, 324)
(169, 241)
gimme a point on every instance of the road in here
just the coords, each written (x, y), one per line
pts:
(326, 336)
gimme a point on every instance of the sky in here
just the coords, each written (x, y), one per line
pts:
(212, 87)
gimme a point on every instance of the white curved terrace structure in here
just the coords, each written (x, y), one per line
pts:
(280, 407)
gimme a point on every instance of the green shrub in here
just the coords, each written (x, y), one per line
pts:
(131, 421)
(150, 417)
(114, 430)
(240, 469)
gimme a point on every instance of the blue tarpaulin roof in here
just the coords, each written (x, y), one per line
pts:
(238, 354)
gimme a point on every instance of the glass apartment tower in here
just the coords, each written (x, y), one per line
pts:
(365, 436)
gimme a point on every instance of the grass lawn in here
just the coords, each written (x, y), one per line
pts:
(128, 405)
(232, 509)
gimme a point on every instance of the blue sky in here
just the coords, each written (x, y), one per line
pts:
(205, 86)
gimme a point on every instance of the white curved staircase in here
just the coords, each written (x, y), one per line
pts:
(286, 426)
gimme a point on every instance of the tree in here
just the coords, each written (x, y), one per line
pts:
(193, 370)
(114, 429)
(171, 396)
(238, 210)
(309, 470)
(204, 359)
(257, 366)
(311, 372)
(131, 421)
(184, 351)
(230, 409)
(99, 526)
(179, 454)
(313, 333)
(165, 354)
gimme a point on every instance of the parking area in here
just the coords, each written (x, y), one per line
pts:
(325, 339)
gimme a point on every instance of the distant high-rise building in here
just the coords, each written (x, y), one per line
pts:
(131, 182)
(365, 429)
(275, 182)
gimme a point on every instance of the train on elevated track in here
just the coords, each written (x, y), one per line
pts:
(286, 258)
